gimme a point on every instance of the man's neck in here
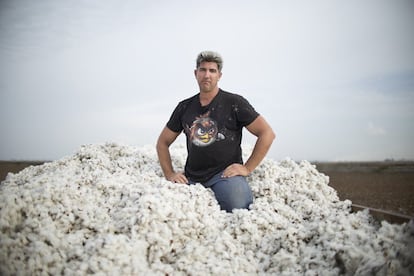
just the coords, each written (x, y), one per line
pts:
(207, 97)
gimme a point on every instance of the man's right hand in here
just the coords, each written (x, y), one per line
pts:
(166, 138)
(178, 177)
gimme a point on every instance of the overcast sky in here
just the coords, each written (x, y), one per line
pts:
(335, 79)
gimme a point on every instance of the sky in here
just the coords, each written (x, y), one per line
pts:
(334, 79)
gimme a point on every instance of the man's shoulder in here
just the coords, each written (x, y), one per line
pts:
(231, 96)
(189, 100)
(182, 105)
(228, 94)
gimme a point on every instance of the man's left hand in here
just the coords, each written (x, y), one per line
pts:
(236, 169)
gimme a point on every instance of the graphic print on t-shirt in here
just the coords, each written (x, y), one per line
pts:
(204, 131)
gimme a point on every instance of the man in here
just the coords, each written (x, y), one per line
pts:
(212, 121)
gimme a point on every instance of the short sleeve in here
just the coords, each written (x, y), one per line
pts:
(245, 112)
(174, 123)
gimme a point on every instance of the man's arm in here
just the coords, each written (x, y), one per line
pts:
(166, 138)
(265, 136)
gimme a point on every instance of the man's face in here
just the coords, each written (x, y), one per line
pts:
(207, 75)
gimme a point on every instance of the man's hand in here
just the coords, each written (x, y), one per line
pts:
(178, 177)
(236, 169)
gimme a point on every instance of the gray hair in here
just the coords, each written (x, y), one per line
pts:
(210, 56)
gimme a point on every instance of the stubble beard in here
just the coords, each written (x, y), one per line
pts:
(207, 87)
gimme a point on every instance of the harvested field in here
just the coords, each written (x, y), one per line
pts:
(381, 185)
(15, 166)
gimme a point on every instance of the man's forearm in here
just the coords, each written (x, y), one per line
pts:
(164, 158)
(260, 150)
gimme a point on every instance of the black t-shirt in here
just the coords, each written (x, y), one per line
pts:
(213, 132)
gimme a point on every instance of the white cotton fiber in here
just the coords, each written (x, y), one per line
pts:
(108, 210)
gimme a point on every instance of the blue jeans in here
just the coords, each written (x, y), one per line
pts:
(230, 192)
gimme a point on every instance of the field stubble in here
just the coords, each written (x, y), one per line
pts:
(382, 185)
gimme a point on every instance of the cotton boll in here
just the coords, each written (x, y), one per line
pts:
(108, 210)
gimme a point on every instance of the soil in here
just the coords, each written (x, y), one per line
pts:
(381, 185)
(387, 186)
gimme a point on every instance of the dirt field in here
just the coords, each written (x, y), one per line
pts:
(381, 185)
(14, 167)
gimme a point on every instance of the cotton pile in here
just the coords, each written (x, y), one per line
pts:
(107, 210)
